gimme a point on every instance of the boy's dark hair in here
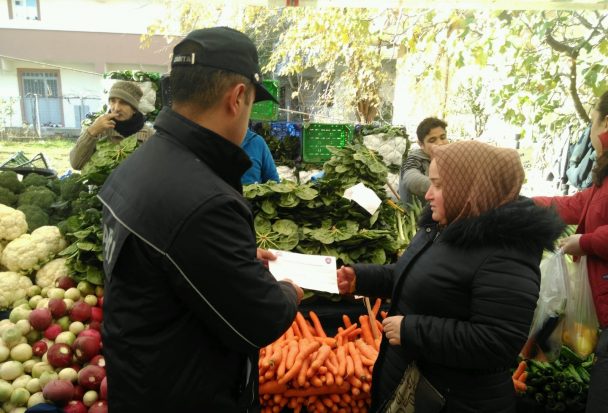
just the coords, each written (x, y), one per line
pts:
(601, 168)
(424, 128)
(201, 85)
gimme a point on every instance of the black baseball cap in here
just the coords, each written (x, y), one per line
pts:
(225, 49)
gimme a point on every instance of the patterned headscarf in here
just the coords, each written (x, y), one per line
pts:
(476, 177)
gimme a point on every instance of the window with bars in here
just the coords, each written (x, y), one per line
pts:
(24, 9)
(41, 100)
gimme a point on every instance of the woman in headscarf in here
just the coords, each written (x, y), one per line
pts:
(589, 210)
(463, 294)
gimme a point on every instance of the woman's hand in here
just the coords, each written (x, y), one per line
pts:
(265, 256)
(102, 123)
(571, 245)
(346, 279)
(392, 329)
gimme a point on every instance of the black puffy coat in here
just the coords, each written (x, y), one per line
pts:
(468, 294)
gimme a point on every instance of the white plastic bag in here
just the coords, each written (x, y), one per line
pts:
(545, 338)
(581, 325)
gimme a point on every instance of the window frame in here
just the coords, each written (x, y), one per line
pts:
(11, 12)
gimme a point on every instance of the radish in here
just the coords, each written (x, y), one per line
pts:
(103, 389)
(52, 331)
(81, 311)
(58, 391)
(95, 325)
(65, 282)
(39, 348)
(40, 319)
(97, 314)
(86, 348)
(90, 332)
(58, 307)
(78, 392)
(99, 407)
(59, 355)
(75, 406)
(90, 377)
(98, 360)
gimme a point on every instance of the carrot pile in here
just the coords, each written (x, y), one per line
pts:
(307, 369)
(519, 377)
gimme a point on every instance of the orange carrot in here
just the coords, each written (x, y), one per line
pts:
(354, 334)
(302, 374)
(283, 363)
(317, 324)
(330, 341)
(329, 379)
(292, 353)
(523, 377)
(272, 387)
(350, 366)
(322, 355)
(316, 381)
(376, 307)
(519, 386)
(347, 330)
(296, 329)
(304, 328)
(332, 363)
(341, 355)
(383, 314)
(366, 330)
(346, 321)
(307, 347)
(366, 350)
(521, 367)
(317, 391)
(358, 365)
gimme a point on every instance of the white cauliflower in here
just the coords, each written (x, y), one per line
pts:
(46, 276)
(30, 251)
(13, 287)
(12, 223)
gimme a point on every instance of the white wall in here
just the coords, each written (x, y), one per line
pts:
(115, 16)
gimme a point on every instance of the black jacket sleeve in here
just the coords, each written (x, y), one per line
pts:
(374, 280)
(222, 281)
(503, 298)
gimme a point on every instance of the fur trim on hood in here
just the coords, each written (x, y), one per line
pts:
(519, 224)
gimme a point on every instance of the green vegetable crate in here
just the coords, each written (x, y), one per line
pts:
(267, 110)
(318, 136)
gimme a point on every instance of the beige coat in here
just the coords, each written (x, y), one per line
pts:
(86, 143)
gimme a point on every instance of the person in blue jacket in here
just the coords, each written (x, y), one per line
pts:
(262, 168)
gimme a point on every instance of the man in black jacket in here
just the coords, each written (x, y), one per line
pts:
(188, 301)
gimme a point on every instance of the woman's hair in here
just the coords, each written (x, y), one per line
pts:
(600, 171)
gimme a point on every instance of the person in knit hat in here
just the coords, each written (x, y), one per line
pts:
(122, 120)
(589, 210)
(464, 292)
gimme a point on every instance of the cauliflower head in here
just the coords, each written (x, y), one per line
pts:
(12, 223)
(52, 270)
(28, 252)
(13, 287)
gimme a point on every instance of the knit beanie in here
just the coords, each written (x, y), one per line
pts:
(477, 177)
(127, 91)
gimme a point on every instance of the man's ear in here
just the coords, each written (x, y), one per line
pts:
(237, 97)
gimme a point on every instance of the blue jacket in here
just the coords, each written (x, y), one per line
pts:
(263, 168)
